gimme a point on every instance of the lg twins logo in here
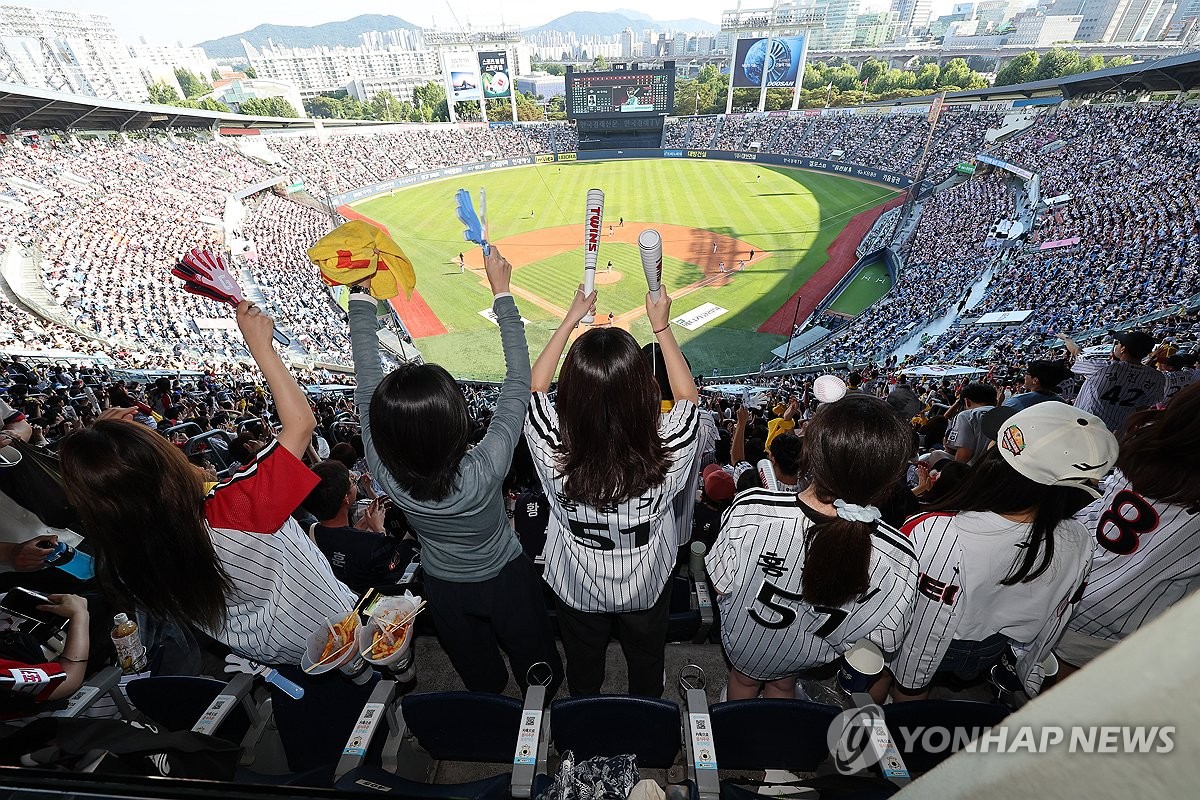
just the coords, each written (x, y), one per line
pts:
(593, 222)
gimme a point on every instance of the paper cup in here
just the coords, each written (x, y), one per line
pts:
(861, 664)
(388, 611)
(315, 646)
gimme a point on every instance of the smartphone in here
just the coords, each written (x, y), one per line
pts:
(23, 603)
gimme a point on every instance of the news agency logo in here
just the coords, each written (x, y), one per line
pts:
(859, 738)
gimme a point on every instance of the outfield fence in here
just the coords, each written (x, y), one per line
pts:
(856, 171)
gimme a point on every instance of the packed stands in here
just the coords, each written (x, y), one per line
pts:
(102, 219)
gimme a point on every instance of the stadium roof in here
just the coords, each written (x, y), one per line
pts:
(1176, 73)
(23, 107)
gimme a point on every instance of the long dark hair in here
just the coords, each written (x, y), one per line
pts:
(420, 428)
(854, 450)
(608, 409)
(992, 485)
(1160, 454)
(142, 506)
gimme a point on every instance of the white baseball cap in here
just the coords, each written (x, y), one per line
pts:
(1055, 444)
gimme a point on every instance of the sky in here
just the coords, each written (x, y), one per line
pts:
(190, 23)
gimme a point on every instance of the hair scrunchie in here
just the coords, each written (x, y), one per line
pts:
(853, 513)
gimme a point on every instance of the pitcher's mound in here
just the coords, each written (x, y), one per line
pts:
(606, 278)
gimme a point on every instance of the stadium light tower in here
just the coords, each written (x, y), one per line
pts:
(495, 37)
(783, 19)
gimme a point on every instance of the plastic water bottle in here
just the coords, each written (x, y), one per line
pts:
(131, 655)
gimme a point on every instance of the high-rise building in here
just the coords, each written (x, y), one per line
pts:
(322, 69)
(912, 16)
(1112, 20)
(157, 63)
(67, 52)
(1033, 29)
(1185, 19)
(1139, 17)
(874, 29)
(627, 43)
(841, 17)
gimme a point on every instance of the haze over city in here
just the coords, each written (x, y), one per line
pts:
(191, 24)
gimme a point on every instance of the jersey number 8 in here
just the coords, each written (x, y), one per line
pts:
(1128, 530)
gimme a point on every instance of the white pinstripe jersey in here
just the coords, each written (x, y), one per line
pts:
(963, 557)
(283, 586)
(1175, 382)
(757, 565)
(1113, 390)
(1146, 558)
(617, 558)
(685, 502)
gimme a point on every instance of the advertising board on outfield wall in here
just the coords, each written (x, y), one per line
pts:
(770, 159)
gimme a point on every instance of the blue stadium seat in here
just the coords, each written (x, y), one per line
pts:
(791, 735)
(954, 715)
(451, 726)
(314, 728)
(464, 726)
(771, 734)
(176, 702)
(613, 725)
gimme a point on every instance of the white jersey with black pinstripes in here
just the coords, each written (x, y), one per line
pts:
(1146, 559)
(282, 587)
(616, 558)
(1113, 390)
(963, 559)
(757, 565)
(1175, 382)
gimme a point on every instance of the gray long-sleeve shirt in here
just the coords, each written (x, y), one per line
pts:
(465, 537)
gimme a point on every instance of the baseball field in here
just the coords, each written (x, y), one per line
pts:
(739, 240)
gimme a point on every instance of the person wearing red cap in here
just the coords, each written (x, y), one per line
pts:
(716, 491)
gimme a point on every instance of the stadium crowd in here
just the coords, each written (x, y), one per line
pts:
(350, 160)
(223, 505)
(894, 142)
(1122, 241)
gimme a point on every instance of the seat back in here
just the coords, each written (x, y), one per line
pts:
(464, 726)
(613, 725)
(771, 734)
(963, 719)
(314, 729)
(682, 621)
(176, 702)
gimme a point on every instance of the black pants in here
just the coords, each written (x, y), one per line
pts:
(643, 640)
(475, 621)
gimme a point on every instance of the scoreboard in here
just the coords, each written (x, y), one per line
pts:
(620, 93)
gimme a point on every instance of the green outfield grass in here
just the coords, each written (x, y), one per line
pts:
(870, 285)
(792, 215)
(556, 278)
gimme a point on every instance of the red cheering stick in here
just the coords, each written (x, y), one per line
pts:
(205, 274)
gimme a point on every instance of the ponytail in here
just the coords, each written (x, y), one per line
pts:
(837, 562)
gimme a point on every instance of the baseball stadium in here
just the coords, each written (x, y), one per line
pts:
(741, 237)
(442, 427)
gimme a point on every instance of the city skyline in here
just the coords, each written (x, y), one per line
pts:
(136, 19)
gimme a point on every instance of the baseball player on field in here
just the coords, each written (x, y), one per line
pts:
(1117, 384)
(1146, 533)
(802, 577)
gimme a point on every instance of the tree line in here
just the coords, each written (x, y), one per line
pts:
(428, 104)
(196, 88)
(831, 83)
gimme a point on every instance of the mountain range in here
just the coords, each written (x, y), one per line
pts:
(346, 33)
(611, 23)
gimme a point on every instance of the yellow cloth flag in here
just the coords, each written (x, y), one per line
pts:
(358, 250)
